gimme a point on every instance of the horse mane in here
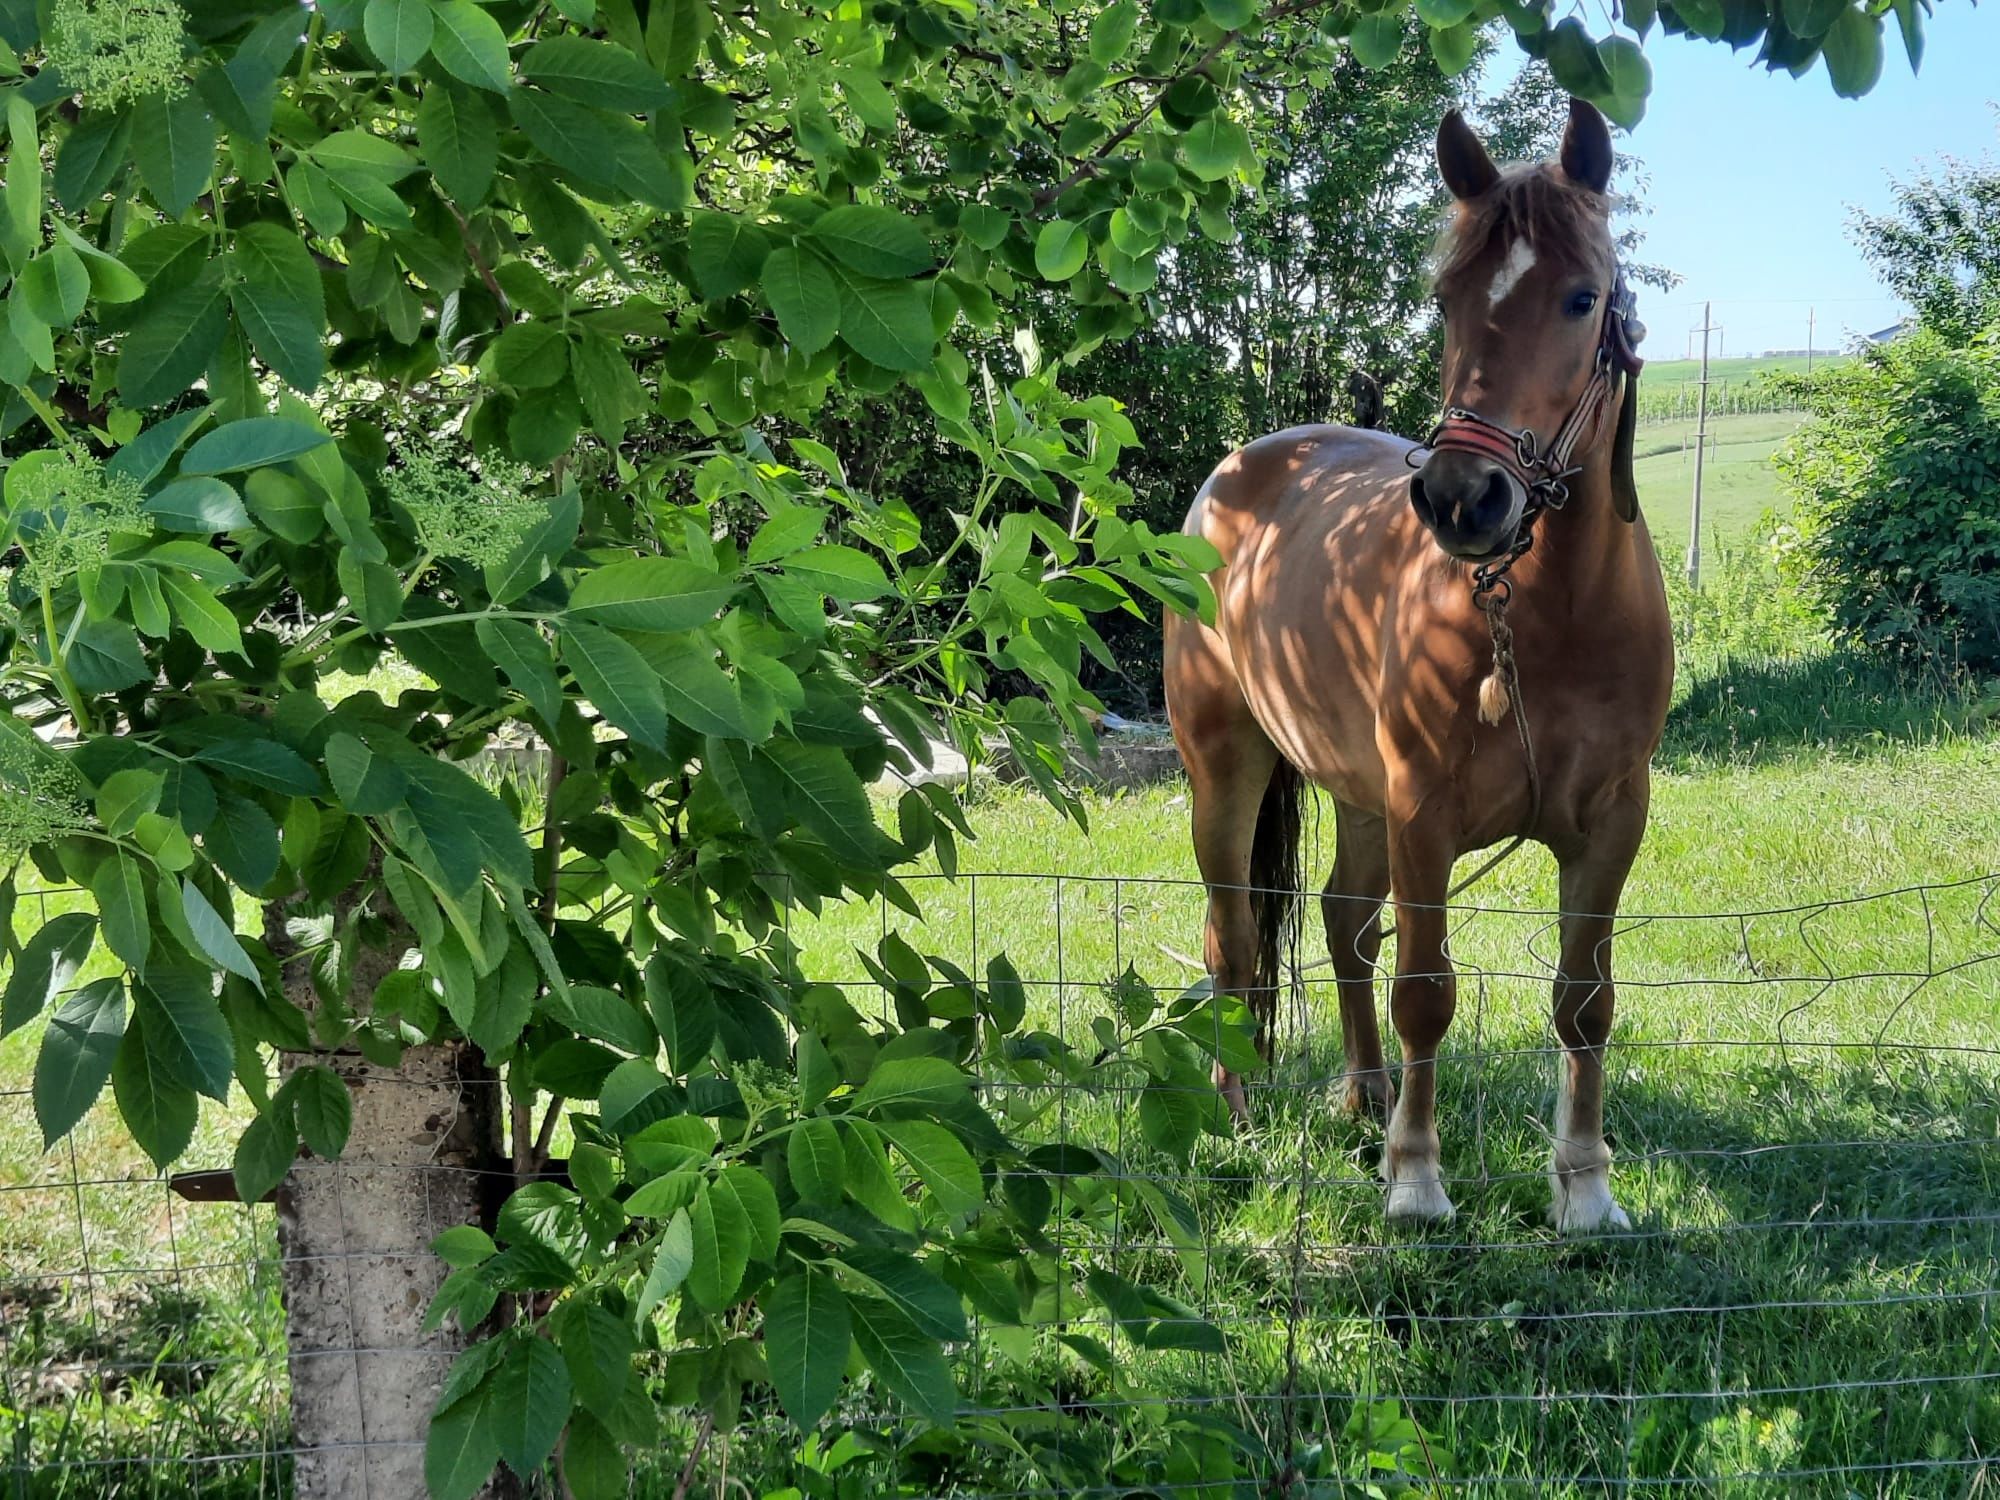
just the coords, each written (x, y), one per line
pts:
(1532, 201)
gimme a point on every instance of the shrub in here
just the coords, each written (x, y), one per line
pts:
(1897, 476)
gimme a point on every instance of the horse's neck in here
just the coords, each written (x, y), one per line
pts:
(1588, 557)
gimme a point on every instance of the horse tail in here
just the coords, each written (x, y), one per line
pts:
(1274, 874)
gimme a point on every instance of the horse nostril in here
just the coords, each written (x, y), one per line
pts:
(1420, 501)
(1497, 498)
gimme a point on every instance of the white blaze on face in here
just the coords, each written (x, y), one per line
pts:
(1519, 262)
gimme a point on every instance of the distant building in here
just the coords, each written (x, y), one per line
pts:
(1890, 334)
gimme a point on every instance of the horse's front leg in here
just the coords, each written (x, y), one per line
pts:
(1592, 882)
(1422, 998)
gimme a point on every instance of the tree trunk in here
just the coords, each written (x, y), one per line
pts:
(355, 1240)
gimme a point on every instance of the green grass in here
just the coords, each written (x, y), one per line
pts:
(1738, 482)
(1664, 373)
(1815, 1217)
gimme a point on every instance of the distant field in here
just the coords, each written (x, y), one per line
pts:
(1673, 371)
(1738, 482)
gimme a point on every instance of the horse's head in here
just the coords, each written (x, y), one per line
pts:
(1535, 335)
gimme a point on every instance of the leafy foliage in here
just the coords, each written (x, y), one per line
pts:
(492, 340)
(1898, 480)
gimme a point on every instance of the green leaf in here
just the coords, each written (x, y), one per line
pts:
(877, 242)
(1112, 31)
(1909, 18)
(818, 1076)
(170, 347)
(324, 1109)
(96, 147)
(573, 136)
(76, 1057)
(262, 763)
(185, 1028)
(471, 45)
(523, 657)
(827, 797)
(697, 691)
(461, 1446)
(243, 842)
(1217, 145)
(1811, 19)
(264, 1155)
(124, 799)
(908, 1363)
(1631, 80)
(104, 657)
(1061, 248)
(843, 573)
(804, 295)
(46, 967)
(251, 444)
(888, 323)
(1705, 18)
(615, 677)
(399, 31)
(213, 936)
(595, 73)
(532, 558)
(460, 142)
(933, 1307)
(594, 1463)
(726, 253)
(201, 614)
(531, 355)
(754, 1194)
(531, 1401)
(287, 334)
(597, 1346)
(54, 286)
(807, 1333)
(157, 1108)
(944, 1164)
(683, 1010)
(1454, 47)
(671, 1263)
(653, 594)
(1854, 53)
(904, 1084)
(721, 1232)
(366, 784)
(1376, 39)
(119, 888)
(787, 531)
(610, 392)
(201, 505)
(173, 143)
(816, 1161)
(361, 156)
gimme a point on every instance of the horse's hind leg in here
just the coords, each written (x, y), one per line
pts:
(1351, 907)
(1229, 762)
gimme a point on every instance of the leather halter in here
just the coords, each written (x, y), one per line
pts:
(1544, 473)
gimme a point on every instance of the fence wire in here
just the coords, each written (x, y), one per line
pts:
(1805, 1106)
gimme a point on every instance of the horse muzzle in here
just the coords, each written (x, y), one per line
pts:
(1471, 504)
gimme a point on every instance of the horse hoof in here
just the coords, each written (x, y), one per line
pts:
(1419, 1201)
(1587, 1208)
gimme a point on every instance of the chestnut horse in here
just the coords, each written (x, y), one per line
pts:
(1352, 648)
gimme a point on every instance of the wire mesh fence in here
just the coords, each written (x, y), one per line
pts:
(1805, 1106)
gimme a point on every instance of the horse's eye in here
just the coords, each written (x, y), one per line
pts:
(1581, 304)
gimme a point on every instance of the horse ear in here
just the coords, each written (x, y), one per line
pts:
(1624, 484)
(1468, 170)
(1586, 154)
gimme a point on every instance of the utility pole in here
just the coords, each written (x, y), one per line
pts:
(1700, 448)
(1809, 338)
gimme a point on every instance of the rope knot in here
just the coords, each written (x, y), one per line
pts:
(1497, 690)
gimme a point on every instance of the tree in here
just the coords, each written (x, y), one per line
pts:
(491, 339)
(1939, 249)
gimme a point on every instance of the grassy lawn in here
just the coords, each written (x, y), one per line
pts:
(1738, 482)
(1809, 1136)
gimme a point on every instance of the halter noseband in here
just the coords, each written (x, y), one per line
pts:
(1544, 473)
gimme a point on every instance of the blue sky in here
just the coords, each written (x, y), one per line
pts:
(1753, 174)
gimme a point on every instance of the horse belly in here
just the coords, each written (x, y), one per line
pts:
(1321, 716)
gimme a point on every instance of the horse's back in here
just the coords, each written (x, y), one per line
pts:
(1286, 475)
(1315, 531)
